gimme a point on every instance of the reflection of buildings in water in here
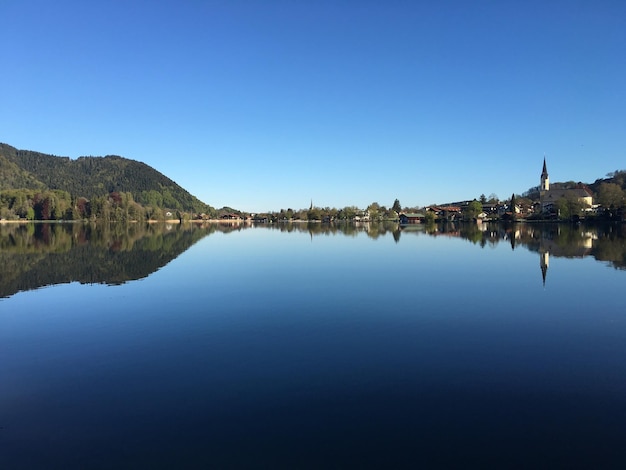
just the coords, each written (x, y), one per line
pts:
(588, 238)
(549, 244)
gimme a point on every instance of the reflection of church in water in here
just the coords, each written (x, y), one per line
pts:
(549, 245)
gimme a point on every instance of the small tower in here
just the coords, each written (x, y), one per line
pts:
(545, 179)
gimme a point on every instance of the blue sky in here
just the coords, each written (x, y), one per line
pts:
(262, 105)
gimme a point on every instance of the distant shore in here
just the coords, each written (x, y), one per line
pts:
(249, 221)
(167, 221)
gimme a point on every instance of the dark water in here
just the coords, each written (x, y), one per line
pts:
(312, 347)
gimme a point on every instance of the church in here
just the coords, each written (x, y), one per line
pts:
(548, 197)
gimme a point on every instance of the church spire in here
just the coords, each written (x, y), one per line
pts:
(545, 179)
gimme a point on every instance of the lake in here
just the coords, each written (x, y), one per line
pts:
(312, 346)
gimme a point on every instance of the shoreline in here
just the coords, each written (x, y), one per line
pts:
(243, 221)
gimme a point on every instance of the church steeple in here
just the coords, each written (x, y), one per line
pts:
(545, 179)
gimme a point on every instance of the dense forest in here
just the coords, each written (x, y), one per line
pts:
(37, 186)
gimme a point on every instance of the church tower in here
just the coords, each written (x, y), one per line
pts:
(545, 179)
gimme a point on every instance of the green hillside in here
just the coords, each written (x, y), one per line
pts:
(12, 176)
(94, 177)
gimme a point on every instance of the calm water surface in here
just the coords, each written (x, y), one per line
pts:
(312, 347)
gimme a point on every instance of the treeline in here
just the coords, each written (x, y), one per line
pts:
(61, 205)
(373, 212)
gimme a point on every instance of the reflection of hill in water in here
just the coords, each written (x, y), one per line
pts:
(37, 255)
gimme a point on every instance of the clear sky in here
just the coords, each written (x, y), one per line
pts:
(262, 105)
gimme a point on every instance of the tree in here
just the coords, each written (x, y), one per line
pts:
(153, 213)
(397, 208)
(347, 213)
(569, 206)
(314, 214)
(6, 213)
(532, 193)
(374, 211)
(389, 214)
(82, 208)
(44, 205)
(611, 194)
(483, 199)
(473, 209)
(135, 211)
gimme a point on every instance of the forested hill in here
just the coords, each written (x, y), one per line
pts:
(92, 177)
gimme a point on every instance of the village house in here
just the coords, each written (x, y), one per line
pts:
(411, 218)
(449, 213)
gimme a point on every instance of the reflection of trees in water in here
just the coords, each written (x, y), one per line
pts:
(603, 242)
(59, 237)
(611, 245)
(371, 229)
(36, 255)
